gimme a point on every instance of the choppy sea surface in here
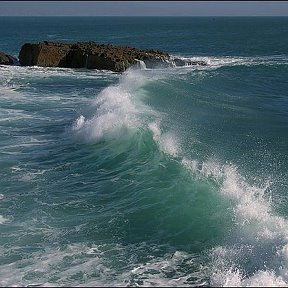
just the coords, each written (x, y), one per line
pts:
(171, 176)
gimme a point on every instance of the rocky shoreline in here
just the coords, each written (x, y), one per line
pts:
(90, 55)
(6, 59)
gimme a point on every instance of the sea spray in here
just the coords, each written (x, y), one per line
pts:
(260, 237)
(115, 112)
(118, 110)
(185, 186)
(167, 141)
(258, 234)
(254, 251)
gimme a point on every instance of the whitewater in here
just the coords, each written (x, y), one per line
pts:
(172, 176)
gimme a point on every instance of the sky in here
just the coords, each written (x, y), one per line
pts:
(143, 8)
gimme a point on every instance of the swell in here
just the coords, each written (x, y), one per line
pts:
(253, 251)
(163, 193)
(213, 62)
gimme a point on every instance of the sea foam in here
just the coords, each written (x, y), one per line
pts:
(118, 109)
(255, 252)
(167, 141)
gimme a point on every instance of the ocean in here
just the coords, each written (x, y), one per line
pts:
(173, 176)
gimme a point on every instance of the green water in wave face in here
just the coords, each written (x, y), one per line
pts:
(90, 186)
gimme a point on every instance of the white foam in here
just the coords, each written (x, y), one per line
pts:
(13, 115)
(259, 234)
(79, 123)
(3, 219)
(260, 237)
(9, 92)
(82, 265)
(115, 113)
(234, 278)
(17, 81)
(19, 143)
(30, 175)
(167, 141)
(214, 62)
(141, 64)
(118, 110)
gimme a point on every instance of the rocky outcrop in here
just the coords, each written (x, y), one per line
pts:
(6, 59)
(92, 56)
(181, 62)
(86, 54)
(44, 54)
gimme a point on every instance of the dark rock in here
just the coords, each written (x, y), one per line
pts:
(95, 56)
(185, 62)
(86, 54)
(199, 62)
(47, 54)
(6, 59)
(179, 62)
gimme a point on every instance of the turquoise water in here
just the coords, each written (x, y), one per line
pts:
(174, 177)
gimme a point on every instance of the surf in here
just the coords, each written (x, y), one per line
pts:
(257, 235)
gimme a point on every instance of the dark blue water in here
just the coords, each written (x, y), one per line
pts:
(153, 177)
